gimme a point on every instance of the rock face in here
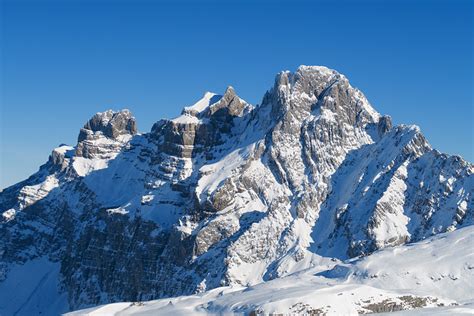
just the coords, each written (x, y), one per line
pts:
(201, 127)
(228, 193)
(105, 133)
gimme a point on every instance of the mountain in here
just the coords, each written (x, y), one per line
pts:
(225, 195)
(430, 274)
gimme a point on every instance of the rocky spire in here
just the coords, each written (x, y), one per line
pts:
(230, 104)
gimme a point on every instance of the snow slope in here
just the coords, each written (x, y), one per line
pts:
(437, 272)
(33, 287)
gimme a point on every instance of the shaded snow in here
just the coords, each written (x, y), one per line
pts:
(32, 289)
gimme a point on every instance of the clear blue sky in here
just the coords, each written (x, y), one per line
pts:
(63, 61)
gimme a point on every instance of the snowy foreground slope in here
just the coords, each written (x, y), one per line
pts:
(225, 195)
(437, 272)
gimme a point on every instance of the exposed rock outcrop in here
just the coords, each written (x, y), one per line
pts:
(109, 129)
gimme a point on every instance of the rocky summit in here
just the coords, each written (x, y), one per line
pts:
(226, 194)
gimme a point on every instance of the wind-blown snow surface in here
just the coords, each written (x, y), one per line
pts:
(437, 272)
(226, 194)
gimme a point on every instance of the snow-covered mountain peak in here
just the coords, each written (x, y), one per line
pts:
(110, 124)
(320, 69)
(227, 105)
(230, 105)
(315, 75)
(203, 103)
(229, 194)
(105, 133)
(318, 90)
